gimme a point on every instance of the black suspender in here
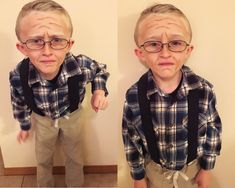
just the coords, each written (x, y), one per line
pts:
(27, 91)
(146, 118)
(73, 89)
(193, 111)
(151, 138)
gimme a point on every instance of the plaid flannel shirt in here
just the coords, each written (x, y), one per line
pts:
(170, 124)
(53, 101)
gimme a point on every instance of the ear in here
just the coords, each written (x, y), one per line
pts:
(71, 42)
(190, 49)
(22, 48)
(140, 54)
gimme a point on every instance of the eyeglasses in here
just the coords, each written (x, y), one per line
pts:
(157, 46)
(55, 43)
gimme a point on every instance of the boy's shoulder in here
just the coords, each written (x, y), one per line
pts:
(132, 92)
(81, 57)
(83, 61)
(15, 73)
(193, 78)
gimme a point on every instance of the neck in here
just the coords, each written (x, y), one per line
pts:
(168, 85)
(52, 75)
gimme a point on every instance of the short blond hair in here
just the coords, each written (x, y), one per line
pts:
(44, 6)
(160, 9)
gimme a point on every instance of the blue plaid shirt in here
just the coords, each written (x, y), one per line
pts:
(53, 101)
(169, 120)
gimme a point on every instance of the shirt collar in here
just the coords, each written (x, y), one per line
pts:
(69, 69)
(190, 81)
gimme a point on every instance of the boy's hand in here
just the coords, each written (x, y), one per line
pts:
(140, 183)
(22, 136)
(98, 100)
(203, 178)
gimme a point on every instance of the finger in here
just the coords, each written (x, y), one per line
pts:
(103, 104)
(95, 106)
(19, 138)
(96, 101)
(24, 137)
(96, 109)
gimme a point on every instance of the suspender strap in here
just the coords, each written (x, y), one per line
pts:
(73, 89)
(146, 118)
(193, 111)
(27, 91)
(151, 137)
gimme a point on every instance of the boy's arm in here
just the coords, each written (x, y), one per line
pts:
(133, 147)
(97, 74)
(212, 145)
(21, 111)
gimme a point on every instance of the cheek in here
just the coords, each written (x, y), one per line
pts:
(152, 59)
(60, 56)
(182, 60)
(33, 56)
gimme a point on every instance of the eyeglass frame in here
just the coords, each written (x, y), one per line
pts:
(162, 46)
(44, 43)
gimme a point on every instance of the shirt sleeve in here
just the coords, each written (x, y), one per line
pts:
(21, 112)
(132, 145)
(212, 144)
(96, 73)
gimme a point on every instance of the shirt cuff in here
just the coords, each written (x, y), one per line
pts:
(207, 162)
(25, 126)
(138, 173)
(99, 87)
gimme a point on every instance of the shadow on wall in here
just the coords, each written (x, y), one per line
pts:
(129, 66)
(6, 115)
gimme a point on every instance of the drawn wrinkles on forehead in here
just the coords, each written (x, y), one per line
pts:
(157, 25)
(44, 22)
(48, 26)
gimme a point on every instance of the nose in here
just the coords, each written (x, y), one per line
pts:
(47, 48)
(165, 51)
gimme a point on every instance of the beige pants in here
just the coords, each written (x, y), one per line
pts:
(69, 131)
(158, 177)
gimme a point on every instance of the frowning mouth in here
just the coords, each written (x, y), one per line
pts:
(165, 64)
(47, 61)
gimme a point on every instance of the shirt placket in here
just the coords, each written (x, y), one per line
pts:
(170, 123)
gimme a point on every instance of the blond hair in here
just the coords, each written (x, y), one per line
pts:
(160, 9)
(44, 6)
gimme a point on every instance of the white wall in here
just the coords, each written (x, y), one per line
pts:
(213, 58)
(95, 31)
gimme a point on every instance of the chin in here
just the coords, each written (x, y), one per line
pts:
(166, 75)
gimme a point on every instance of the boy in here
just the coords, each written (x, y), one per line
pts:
(50, 85)
(171, 128)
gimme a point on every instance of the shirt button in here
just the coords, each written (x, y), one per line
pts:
(170, 146)
(156, 131)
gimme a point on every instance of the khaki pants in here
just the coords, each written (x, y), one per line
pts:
(69, 131)
(157, 177)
